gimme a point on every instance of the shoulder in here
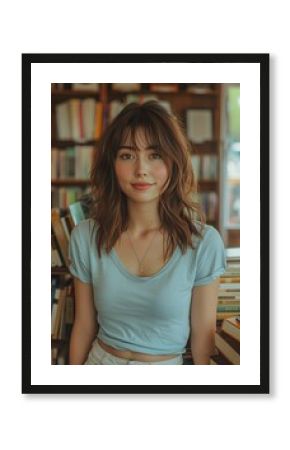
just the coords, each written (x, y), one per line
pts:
(208, 236)
(85, 230)
(210, 256)
(209, 233)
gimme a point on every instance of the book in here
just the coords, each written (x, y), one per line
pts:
(228, 278)
(164, 87)
(228, 308)
(209, 167)
(196, 165)
(83, 161)
(228, 347)
(75, 119)
(69, 309)
(77, 212)
(65, 226)
(227, 287)
(69, 221)
(232, 295)
(56, 314)
(63, 123)
(199, 88)
(54, 287)
(219, 360)
(115, 108)
(199, 125)
(62, 197)
(88, 118)
(60, 235)
(87, 87)
(54, 163)
(209, 203)
(99, 119)
(140, 98)
(225, 315)
(126, 87)
(56, 259)
(231, 326)
(54, 353)
(233, 254)
(59, 314)
(228, 300)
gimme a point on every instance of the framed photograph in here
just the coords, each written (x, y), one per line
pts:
(220, 102)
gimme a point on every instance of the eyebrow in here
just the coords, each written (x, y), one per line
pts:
(130, 147)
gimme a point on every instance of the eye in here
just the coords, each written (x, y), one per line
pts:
(124, 156)
(155, 155)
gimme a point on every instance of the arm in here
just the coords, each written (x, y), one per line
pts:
(85, 326)
(203, 321)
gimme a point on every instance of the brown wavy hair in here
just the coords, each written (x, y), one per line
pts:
(177, 209)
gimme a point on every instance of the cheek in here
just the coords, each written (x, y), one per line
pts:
(161, 173)
(122, 171)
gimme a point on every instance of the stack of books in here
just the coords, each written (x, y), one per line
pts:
(62, 295)
(79, 120)
(229, 289)
(62, 223)
(62, 318)
(62, 309)
(227, 337)
(227, 342)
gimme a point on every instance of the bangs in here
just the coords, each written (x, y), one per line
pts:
(155, 133)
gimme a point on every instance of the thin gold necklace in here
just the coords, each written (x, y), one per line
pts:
(141, 268)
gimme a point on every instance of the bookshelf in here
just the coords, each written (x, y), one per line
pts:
(104, 103)
(227, 336)
(79, 115)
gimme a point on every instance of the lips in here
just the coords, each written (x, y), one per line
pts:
(141, 186)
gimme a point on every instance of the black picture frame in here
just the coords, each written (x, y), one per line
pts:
(245, 58)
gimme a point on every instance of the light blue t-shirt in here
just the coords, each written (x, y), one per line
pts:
(145, 314)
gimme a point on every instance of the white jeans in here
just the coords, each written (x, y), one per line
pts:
(99, 356)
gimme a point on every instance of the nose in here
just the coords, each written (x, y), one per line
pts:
(141, 166)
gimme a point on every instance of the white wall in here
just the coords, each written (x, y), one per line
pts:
(129, 422)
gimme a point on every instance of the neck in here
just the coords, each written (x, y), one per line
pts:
(143, 217)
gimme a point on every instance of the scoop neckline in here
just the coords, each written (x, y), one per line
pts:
(121, 266)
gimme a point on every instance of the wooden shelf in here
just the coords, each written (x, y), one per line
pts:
(69, 93)
(204, 148)
(207, 185)
(62, 144)
(70, 182)
(172, 93)
(59, 271)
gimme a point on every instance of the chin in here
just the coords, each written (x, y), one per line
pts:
(142, 199)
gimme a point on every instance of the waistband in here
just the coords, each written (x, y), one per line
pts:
(140, 358)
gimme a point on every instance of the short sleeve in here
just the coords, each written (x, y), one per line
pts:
(211, 260)
(79, 254)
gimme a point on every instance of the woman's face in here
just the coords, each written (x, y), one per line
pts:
(141, 172)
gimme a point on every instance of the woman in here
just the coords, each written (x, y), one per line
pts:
(145, 269)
